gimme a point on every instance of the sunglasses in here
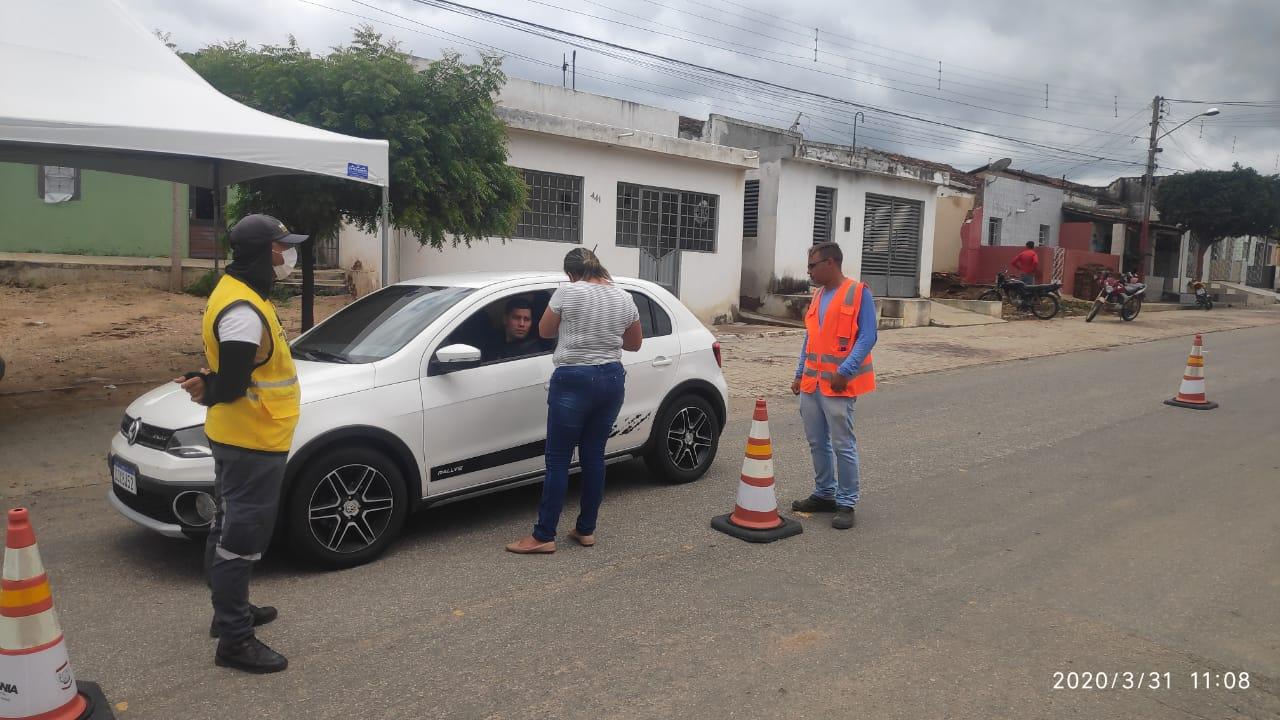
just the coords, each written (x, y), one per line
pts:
(816, 263)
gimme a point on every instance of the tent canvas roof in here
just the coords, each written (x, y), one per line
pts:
(85, 85)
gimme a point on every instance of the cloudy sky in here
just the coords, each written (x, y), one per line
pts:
(1102, 61)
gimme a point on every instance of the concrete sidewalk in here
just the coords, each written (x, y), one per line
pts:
(1262, 294)
(756, 364)
(952, 317)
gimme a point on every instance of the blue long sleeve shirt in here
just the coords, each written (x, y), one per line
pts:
(862, 343)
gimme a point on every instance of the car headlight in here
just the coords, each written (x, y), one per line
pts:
(189, 443)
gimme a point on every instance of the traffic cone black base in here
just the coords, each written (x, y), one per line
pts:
(1194, 406)
(98, 707)
(787, 529)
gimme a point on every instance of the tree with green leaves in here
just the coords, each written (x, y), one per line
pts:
(1218, 204)
(450, 181)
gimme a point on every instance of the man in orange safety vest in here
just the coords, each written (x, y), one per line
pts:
(835, 368)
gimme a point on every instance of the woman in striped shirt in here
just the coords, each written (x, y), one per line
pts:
(595, 321)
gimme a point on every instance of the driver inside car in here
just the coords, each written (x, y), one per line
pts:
(520, 338)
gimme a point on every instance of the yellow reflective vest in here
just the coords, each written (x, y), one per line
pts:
(264, 419)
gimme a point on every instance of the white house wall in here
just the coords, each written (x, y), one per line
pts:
(1004, 196)
(355, 244)
(554, 100)
(797, 187)
(709, 282)
(758, 252)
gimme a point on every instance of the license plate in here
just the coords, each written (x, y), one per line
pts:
(124, 477)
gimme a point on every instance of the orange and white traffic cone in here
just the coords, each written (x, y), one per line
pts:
(36, 682)
(755, 515)
(1191, 391)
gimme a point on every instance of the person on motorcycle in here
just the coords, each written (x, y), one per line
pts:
(1027, 263)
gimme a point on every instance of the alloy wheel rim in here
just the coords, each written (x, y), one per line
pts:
(689, 438)
(350, 508)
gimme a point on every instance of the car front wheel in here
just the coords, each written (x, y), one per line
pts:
(346, 507)
(685, 440)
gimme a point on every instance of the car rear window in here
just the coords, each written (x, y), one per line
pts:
(653, 319)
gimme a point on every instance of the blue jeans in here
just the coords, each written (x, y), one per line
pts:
(828, 425)
(582, 406)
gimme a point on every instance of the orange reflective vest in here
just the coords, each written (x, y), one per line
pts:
(831, 341)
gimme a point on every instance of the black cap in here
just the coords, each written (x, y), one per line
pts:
(262, 230)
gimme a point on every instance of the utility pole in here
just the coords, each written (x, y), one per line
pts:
(1148, 179)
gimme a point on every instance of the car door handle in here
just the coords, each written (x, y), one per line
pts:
(662, 361)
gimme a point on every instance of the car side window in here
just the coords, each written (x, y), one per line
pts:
(506, 329)
(654, 321)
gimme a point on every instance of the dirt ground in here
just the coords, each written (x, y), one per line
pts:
(84, 339)
(952, 289)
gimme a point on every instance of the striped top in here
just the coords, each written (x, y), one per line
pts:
(592, 320)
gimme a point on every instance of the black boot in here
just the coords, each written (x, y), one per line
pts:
(250, 655)
(843, 519)
(814, 504)
(261, 616)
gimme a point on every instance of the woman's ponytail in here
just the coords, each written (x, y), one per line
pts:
(582, 264)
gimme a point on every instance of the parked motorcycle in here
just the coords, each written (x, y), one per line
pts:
(1123, 293)
(1203, 301)
(1042, 300)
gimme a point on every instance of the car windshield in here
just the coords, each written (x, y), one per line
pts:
(377, 325)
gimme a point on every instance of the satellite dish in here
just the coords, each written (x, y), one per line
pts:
(1001, 164)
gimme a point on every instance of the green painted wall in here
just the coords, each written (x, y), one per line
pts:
(115, 215)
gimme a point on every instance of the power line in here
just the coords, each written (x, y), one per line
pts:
(929, 75)
(1253, 103)
(548, 32)
(692, 78)
(893, 137)
(872, 83)
(1031, 84)
(1199, 163)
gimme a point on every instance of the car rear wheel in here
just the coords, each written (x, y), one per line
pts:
(346, 507)
(684, 441)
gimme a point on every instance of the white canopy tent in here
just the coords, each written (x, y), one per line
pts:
(85, 85)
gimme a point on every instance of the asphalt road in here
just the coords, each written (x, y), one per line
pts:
(1019, 519)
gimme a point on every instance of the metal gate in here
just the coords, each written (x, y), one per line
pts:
(327, 252)
(891, 232)
(659, 238)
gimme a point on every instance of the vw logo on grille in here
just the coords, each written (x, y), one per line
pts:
(132, 434)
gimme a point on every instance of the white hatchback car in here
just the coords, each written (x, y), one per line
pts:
(408, 401)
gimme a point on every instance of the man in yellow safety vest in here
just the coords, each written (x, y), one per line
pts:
(251, 389)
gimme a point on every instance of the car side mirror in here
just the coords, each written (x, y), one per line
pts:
(452, 358)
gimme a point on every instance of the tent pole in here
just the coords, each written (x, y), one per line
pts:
(307, 254)
(175, 239)
(386, 235)
(218, 220)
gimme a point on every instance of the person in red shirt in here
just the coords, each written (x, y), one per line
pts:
(1027, 263)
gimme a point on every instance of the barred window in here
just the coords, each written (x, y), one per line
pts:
(698, 221)
(628, 215)
(554, 208)
(55, 184)
(650, 216)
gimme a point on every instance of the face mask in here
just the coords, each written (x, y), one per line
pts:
(290, 258)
